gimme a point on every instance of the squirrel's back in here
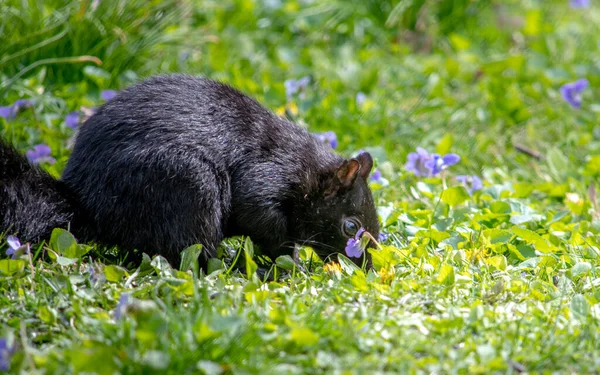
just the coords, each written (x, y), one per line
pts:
(170, 159)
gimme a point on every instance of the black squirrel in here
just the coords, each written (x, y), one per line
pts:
(178, 160)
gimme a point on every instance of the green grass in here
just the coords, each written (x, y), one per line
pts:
(503, 281)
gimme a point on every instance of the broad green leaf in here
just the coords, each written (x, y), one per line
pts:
(580, 307)
(214, 264)
(10, 267)
(534, 239)
(63, 243)
(497, 261)
(347, 265)
(581, 268)
(46, 314)
(445, 144)
(558, 163)
(304, 336)
(98, 75)
(497, 235)
(189, 257)
(455, 195)
(114, 273)
(446, 275)
(286, 262)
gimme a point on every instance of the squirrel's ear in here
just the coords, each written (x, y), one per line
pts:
(366, 164)
(347, 172)
(343, 177)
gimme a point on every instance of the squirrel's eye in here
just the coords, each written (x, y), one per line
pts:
(350, 227)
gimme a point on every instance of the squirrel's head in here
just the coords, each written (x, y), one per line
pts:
(339, 207)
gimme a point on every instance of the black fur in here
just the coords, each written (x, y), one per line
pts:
(32, 202)
(178, 160)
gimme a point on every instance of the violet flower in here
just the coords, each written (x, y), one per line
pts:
(472, 183)
(108, 94)
(121, 309)
(292, 86)
(383, 237)
(40, 154)
(328, 137)
(424, 164)
(10, 112)
(353, 248)
(571, 92)
(376, 176)
(579, 4)
(6, 353)
(361, 98)
(15, 248)
(13, 245)
(72, 119)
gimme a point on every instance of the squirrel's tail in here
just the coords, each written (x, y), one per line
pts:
(32, 202)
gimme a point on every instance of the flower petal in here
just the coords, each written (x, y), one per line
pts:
(353, 248)
(450, 159)
(108, 94)
(72, 119)
(13, 242)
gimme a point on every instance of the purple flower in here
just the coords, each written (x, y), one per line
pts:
(121, 309)
(15, 249)
(108, 94)
(361, 98)
(579, 4)
(40, 154)
(376, 176)
(438, 163)
(571, 92)
(10, 112)
(472, 183)
(383, 237)
(6, 353)
(329, 138)
(72, 119)
(424, 164)
(13, 245)
(292, 86)
(353, 248)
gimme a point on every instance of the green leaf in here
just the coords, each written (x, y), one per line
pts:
(580, 307)
(534, 239)
(445, 144)
(304, 337)
(46, 314)
(189, 257)
(10, 267)
(347, 265)
(446, 275)
(251, 266)
(558, 163)
(497, 235)
(65, 262)
(160, 265)
(114, 273)
(497, 261)
(522, 190)
(455, 195)
(581, 268)
(63, 243)
(499, 207)
(98, 75)
(286, 262)
(214, 264)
